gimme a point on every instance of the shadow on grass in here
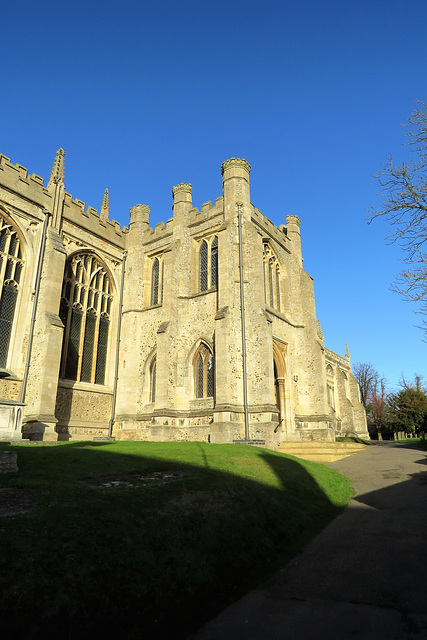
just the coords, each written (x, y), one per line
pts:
(155, 560)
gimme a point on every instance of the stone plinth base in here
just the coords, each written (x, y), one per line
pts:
(40, 431)
(10, 420)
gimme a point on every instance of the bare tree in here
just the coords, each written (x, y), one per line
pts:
(367, 377)
(417, 384)
(404, 206)
(378, 404)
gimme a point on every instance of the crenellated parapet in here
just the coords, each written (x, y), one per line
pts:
(160, 232)
(207, 211)
(333, 358)
(76, 213)
(29, 190)
(279, 234)
(182, 206)
(15, 179)
(182, 191)
(235, 163)
(17, 170)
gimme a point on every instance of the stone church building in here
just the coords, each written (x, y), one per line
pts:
(203, 328)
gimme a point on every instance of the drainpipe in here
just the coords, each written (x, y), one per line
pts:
(35, 302)
(119, 326)
(242, 311)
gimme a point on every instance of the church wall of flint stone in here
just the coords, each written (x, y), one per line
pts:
(136, 332)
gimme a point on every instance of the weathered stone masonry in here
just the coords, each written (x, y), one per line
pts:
(180, 371)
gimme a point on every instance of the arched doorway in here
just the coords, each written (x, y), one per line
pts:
(279, 369)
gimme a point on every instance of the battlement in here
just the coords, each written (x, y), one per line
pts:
(75, 211)
(11, 175)
(160, 231)
(15, 178)
(233, 164)
(207, 210)
(336, 359)
(280, 234)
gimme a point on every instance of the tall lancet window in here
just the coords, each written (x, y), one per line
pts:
(203, 266)
(214, 262)
(157, 273)
(85, 312)
(11, 264)
(271, 278)
(153, 367)
(208, 264)
(204, 372)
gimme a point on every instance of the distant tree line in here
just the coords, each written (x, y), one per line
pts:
(390, 414)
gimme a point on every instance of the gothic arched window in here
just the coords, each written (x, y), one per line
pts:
(203, 266)
(85, 312)
(153, 367)
(11, 264)
(330, 383)
(214, 262)
(208, 264)
(271, 278)
(157, 272)
(204, 372)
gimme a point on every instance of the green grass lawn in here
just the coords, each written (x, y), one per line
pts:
(416, 442)
(151, 540)
(355, 439)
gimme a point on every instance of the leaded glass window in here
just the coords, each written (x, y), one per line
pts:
(153, 367)
(204, 372)
(208, 264)
(203, 266)
(157, 277)
(210, 375)
(101, 356)
(85, 312)
(11, 264)
(214, 263)
(155, 282)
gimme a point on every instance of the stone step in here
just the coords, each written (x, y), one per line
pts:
(320, 451)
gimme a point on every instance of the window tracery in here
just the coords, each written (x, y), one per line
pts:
(208, 264)
(85, 312)
(271, 278)
(11, 265)
(204, 372)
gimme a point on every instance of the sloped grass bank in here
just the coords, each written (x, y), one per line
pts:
(151, 540)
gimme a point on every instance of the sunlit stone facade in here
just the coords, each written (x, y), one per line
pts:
(136, 333)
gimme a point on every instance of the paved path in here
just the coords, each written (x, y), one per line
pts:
(364, 576)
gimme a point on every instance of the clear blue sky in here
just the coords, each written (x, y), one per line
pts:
(144, 95)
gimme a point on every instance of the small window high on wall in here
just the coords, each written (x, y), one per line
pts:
(157, 273)
(271, 278)
(208, 264)
(85, 311)
(11, 265)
